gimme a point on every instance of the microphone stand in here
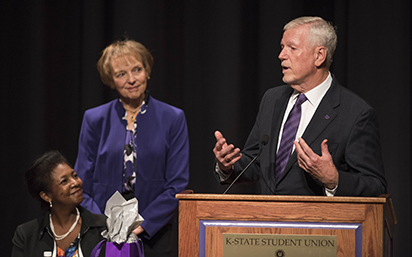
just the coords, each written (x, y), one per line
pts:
(265, 139)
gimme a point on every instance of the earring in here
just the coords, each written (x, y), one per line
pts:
(51, 205)
(148, 77)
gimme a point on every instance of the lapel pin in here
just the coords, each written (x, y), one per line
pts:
(327, 117)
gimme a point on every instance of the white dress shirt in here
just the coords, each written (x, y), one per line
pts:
(309, 107)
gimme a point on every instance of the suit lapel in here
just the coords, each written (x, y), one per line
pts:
(279, 108)
(324, 115)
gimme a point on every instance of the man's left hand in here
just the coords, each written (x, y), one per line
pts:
(320, 167)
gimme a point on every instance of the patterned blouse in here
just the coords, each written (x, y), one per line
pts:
(129, 164)
(71, 251)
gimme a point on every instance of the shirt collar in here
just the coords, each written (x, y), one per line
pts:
(142, 110)
(315, 95)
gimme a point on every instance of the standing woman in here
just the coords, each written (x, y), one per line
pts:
(136, 145)
(67, 229)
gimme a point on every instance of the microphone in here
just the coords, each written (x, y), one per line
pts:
(263, 141)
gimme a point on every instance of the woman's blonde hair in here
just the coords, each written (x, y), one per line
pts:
(118, 49)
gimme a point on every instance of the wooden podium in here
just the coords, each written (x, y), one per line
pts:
(362, 226)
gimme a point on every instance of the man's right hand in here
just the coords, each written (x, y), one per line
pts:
(226, 155)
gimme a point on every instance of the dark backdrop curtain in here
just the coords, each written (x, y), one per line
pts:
(213, 59)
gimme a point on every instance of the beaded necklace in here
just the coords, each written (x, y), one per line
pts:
(58, 237)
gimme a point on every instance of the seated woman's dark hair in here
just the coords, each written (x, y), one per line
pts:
(38, 176)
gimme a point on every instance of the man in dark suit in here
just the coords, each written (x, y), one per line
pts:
(335, 148)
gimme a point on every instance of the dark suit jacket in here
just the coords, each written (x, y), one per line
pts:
(349, 124)
(33, 238)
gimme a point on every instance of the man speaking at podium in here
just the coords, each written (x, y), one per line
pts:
(319, 137)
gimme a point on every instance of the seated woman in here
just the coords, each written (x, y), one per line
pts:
(67, 229)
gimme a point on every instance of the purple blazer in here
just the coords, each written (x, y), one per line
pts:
(162, 159)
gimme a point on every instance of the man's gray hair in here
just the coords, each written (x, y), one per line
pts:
(321, 33)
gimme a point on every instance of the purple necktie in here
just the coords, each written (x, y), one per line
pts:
(288, 136)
